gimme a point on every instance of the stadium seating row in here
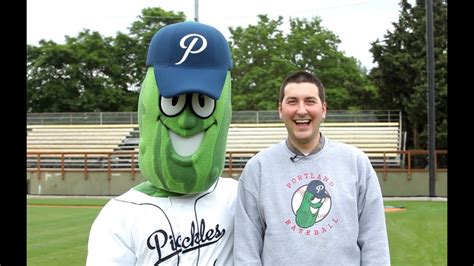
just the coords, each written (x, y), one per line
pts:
(377, 139)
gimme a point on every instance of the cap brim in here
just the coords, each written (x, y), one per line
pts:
(173, 81)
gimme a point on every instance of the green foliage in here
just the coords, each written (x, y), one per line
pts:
(401, 75)
(141, 33)
(90, 72)
(263, 56)
(259, 65)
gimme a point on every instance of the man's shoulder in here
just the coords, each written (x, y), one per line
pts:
(269, 151)
(345, 150)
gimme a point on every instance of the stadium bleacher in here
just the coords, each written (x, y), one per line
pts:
(69, 143)
(76, 138)
(380, 140)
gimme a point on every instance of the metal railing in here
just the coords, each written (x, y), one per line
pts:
(106, 118)
(414, 160)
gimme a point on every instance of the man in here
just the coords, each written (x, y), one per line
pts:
(183, 214)
(309, 200)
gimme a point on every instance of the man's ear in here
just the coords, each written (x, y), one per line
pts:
(279, 110)
(325, 109)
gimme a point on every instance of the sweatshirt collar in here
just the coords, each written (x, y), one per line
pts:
(318, 147)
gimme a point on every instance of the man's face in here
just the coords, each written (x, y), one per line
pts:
(302, 111)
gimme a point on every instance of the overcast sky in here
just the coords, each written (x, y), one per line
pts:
(356, 22)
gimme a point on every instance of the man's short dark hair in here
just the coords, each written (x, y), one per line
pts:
(300, 77)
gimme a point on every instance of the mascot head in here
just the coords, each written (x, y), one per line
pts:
(184, 109)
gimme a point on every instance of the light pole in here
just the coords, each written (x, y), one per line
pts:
(431, 99)
(196, 10)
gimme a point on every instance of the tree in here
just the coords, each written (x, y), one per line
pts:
(48, 81)
(90, 72)
(263, 55)
(135, 45)
(314, 48)
(401, 74)
(259, 64)
(73, 76)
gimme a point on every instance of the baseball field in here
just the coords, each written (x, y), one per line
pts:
(58, 229)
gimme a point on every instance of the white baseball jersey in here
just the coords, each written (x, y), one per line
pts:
(137, 229)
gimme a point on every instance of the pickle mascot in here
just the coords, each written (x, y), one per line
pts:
(183, 213)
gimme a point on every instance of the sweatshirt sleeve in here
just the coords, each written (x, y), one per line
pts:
(249, 226)
(373, 240)
(109, 242)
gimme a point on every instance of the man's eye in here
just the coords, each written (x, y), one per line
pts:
(173, 106)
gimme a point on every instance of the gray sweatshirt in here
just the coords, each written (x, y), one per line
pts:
(321, 209)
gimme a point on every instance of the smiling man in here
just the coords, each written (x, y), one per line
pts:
(183, 213)
(309, 200)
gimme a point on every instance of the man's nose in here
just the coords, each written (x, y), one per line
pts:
(301, 109)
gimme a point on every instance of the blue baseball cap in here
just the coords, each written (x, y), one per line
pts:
(189, 57)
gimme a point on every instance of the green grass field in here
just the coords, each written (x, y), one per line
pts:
(418, 235)
(57, 235)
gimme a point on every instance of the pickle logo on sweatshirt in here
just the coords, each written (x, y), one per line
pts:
(311, 203)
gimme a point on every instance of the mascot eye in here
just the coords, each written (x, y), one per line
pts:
(173, 106)
(202, 105)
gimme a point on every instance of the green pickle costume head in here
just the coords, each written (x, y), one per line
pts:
(184, 110)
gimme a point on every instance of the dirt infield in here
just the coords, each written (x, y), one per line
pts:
(394, 209)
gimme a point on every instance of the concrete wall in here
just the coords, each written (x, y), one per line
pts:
(75, 183)
(100, 184)
(402, 184)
